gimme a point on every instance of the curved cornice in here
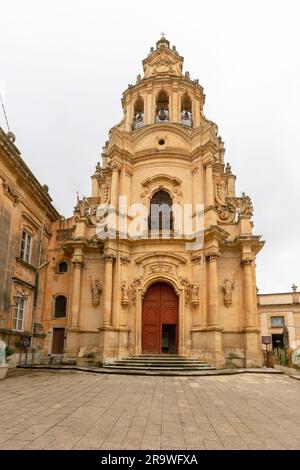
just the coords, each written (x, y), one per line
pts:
(160, 255)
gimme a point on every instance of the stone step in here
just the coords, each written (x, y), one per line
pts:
(163, 369)
(159, 364)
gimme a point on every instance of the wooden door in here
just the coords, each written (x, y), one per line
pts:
(58, 340)
(160, 306)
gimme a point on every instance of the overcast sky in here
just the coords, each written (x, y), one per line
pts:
(64, 65)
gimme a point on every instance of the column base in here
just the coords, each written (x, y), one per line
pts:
(253, 354)
(207, 345)
(113, 344)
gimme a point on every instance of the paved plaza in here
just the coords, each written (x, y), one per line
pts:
(43, 409)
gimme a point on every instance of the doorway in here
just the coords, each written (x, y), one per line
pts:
(277, 341)
(168, 339)
(160, 320)
(58, 341)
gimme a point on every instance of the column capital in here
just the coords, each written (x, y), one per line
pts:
(247, 259)
(109, 257)
(212, 254)
(208, 161)
(78, 261)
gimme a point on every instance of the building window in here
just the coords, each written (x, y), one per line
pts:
(162, 107)
(60, 306)
(18, 318)
(62, 267)
(25, 252)
(138, 120)
(161, 216)
(186, 110)
(277, 322)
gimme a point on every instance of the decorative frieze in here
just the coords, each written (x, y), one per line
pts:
(10, 193)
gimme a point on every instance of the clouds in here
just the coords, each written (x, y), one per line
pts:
(65, 65)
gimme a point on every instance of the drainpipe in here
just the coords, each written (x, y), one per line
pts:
(36, 281)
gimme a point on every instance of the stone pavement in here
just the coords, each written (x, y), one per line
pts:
(42, 409)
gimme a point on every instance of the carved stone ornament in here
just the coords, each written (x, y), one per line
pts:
(243, 205)
(212, 254)
(227, 289)
(134, 285)
(125, 295)
(247, 260)
(125, 260)
(196, 257)
(195, 294)
(171, 184)
(225, 209)
(162, 62)
(86, 208)
(96, 291)
(11, 194)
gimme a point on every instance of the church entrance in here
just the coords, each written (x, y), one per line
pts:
(160, 320)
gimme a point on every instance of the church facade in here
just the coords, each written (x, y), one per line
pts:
(112, 292)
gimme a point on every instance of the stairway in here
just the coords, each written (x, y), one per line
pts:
(164, 364)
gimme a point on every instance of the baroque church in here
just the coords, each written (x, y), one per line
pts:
(109, 295)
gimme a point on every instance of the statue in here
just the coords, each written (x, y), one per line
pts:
(195, 294)
(227, 288)
(96, 290)
(125, 296)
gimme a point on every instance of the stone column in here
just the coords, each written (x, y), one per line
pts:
(114, 187)
(108, 284)
(213, 318)
(76, 287)
(209, 184)
(246, 262)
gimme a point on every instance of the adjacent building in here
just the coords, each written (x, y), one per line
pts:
(26, 216)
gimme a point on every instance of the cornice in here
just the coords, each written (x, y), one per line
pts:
(13, 156)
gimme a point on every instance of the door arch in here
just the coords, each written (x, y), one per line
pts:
(160, 320)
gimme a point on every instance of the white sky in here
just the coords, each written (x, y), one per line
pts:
(64, 65)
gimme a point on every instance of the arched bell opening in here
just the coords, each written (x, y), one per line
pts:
(186, 110)
(162, 107)
(138, 113)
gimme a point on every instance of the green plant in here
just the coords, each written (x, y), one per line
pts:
(9, 351)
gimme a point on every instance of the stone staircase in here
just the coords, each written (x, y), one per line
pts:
(164, 364)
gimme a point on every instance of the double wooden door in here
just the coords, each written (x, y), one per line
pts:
(160, 320)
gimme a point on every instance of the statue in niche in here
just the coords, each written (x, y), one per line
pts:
(96, 290)
(227, 289)
(125, 295)
(195, 293)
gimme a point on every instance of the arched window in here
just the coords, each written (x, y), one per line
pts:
(162, 107)
(138, 113)
(62, 267)
(161, 216)
(60, 306)
(186, 110)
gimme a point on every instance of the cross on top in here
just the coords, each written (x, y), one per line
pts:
(163, 35)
